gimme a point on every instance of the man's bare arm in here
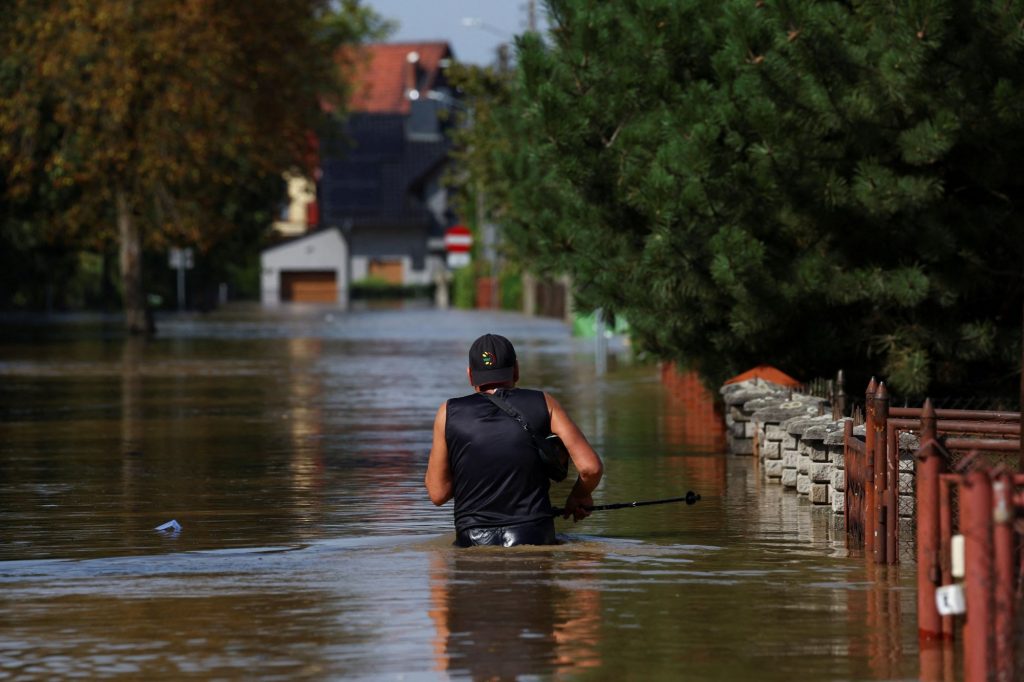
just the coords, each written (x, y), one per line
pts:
(439, 471)
(587, 462)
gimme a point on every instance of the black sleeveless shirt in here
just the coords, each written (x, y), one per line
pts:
(499, 479)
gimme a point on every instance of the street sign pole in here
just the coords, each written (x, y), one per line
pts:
(181, 260)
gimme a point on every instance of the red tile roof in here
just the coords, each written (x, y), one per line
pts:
(765, 373)
(384, 74)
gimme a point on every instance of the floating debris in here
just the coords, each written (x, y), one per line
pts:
(171, 526)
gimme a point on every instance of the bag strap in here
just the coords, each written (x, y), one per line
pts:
(551, 451)
(507, 408)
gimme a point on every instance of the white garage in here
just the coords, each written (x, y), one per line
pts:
(312, 268)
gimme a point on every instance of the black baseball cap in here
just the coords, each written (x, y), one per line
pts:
(492, 360)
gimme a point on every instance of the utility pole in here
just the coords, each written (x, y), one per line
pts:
(531, 15)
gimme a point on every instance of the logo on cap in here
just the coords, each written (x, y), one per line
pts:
(488, 358)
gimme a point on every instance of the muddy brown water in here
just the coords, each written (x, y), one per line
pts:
(291, 446)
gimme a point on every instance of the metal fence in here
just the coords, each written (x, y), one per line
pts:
(969, 550)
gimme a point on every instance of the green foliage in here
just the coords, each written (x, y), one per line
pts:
(813, 185)
(373, 283)
(152, 124)
(463, 293)
(379, 288)
(510, 285)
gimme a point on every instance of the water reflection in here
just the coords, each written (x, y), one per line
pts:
(578, 624)
(471, 590)
(167, 637)
(882, 611)
(131, 396)
(501, 616)
(693, 419)
(131, 450)
(304, 402)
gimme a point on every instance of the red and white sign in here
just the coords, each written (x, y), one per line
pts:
(458, 240)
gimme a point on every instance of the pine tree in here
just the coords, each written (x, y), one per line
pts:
(811, 184)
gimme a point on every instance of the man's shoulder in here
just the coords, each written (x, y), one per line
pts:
(533, 392)
(533, 399)
(461, 400)
(515, 394)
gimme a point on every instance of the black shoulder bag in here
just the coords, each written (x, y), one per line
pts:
(551, 450)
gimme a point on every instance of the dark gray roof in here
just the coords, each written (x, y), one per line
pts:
(378, 178)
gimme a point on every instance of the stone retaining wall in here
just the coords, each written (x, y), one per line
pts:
(799, 445)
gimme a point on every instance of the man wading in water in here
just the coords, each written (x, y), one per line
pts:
(488, 462)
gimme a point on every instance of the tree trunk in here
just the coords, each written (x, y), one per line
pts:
(108, 285)
(130, 242)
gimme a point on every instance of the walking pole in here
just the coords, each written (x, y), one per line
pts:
(690, 498)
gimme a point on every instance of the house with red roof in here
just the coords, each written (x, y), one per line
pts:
(388, 75)
(381, 187)
(385, 188)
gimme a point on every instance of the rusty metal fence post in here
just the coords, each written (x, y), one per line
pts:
(927, 470)
(854, 500)
(946, 484)
(976, 527)
(1002, 540)
(848, 494)
(869, 467)
(892, 491)
(878, 454)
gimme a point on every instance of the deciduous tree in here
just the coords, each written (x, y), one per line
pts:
(143, 122)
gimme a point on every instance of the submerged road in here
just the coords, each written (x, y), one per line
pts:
(290, 446)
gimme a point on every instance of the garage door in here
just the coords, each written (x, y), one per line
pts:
(309, 287)
(389, 270)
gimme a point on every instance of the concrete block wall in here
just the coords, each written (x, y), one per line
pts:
(751, 402)
(739, 428)
(797, 428)
(800, 448)
(833, 444)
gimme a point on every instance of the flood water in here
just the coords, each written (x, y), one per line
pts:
(291, 447)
